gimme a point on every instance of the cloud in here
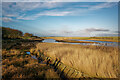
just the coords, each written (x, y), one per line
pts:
(6, 19)
(46, 13)
(96, 29)
(60, 0)
(107, 34)
(54, 13)
(68, 32)
(110, 33)
(11, 15)
(25, 18)
(27, 6)
(19, 10)
(103, 5)
(22, 17)
(117, 32)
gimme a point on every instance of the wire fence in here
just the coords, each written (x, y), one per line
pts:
(62, 69)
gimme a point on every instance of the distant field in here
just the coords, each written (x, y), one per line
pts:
(97, 61)
(112, 39)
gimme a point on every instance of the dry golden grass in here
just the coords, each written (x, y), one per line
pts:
(97, 61)
(63, 38)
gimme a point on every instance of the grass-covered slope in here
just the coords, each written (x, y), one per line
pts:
(96, 61)
(11, 33)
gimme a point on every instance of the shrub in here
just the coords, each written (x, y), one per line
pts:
(28, 35)
(11, 33)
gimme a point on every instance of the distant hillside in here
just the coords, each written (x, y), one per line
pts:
(11, 33)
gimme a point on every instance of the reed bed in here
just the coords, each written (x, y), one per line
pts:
(96, 61)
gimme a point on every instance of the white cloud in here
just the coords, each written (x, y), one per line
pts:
(103, 5)
(19, 9)
(54, 13)
(11, 15)
(22, 17)
(60, 0)
(107, 34)
(96, 29)
(6, 19)
(25, 18)
(27, 6)
(46, 13)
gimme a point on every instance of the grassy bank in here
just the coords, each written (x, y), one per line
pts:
(97, 61)
(72, 41)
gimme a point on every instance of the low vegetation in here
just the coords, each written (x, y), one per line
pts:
(28, 35)
(96, 61)
(73, 41)
(11, 33)
(17, 64)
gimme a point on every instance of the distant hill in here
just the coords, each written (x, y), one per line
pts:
(11, 33)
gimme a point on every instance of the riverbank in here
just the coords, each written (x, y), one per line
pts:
(73, 41)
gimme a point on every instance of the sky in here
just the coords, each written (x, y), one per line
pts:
(77, 19)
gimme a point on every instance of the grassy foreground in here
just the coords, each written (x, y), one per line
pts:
(17, 64)
(97, 61)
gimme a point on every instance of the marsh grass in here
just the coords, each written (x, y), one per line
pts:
(73, 41)
(96, 61)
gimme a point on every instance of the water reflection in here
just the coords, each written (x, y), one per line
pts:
(49, 41)
(34, 57)
(28, 53)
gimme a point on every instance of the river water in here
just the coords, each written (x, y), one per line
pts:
(99, 43)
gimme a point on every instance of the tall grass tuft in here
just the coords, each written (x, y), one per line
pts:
(97, 61)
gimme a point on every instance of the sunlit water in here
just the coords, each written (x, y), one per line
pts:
(50, 41)
(34, 57)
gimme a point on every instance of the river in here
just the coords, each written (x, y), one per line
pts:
(99, 43)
